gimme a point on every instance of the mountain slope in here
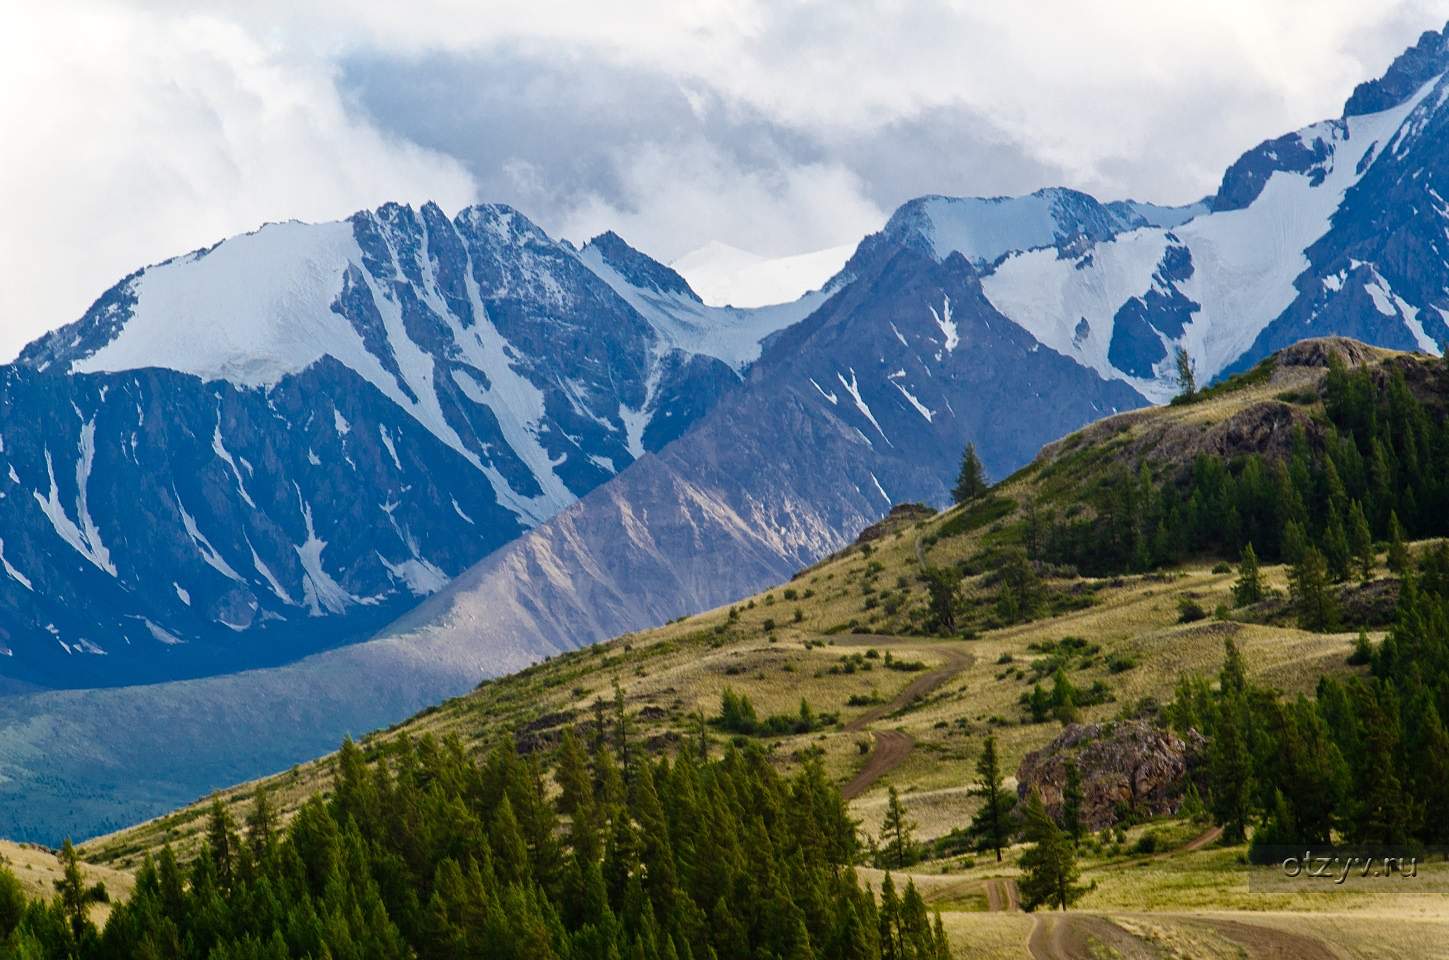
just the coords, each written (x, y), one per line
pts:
(1333, 229)
(325, 422)
(872, 594)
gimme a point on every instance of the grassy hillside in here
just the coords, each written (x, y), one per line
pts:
(892, 700)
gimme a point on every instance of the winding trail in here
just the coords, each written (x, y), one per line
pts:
(1002, 895)
(1082, 936)
(1268, 943)
(893, 746)
(1208, 836)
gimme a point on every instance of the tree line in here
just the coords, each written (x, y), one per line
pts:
(1374, 468)
(424, 851)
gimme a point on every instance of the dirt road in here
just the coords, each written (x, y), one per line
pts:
(1268, 943)
(1002, 894)
(893, 746)
(1080, 936)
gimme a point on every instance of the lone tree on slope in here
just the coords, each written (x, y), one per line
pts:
(971, 482)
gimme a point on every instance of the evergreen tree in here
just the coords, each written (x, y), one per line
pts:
(1248, 588)
(943, 589)
(1400, 560)
(1295, 541)
(991, 821)
(1360, 541)
(1072, 800)
(1064, 697)
(1040, 703)
(971, 481)
(1335, 546)
(897, 832)
(221, 844)
(1049, 864)
(71, 887)
(1186, 374)
(1231, 770)
(1312, 596)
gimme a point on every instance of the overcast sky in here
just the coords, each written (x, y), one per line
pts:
(133, 132)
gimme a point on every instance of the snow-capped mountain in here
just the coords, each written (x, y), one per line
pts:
(1335, 228)
(322, 423)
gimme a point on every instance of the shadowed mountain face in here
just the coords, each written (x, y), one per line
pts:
(270, 449)
(278, 445)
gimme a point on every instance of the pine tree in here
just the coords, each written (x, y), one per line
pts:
(261, 825)
(991, 820)
(1360, 540)
(1335, 546)
(1400, 559)
(1248, 588)
(1312, 596)
(943, 589)
(1231, 770)
(72, 890)
(897, 832)
(1072, 800)
(1186, 374)
(1295, 541)
(1049, 865)
(971, 481)
(221, 843)
(1040, 704)
(1064, 697)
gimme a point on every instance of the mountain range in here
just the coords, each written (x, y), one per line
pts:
(311, 479)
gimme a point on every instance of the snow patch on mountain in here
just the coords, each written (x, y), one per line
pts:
(732, 334)
(1243, 263)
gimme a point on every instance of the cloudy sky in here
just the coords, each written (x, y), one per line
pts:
(134, 131)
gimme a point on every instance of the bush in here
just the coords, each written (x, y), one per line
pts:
(1149, 842)
(1189, 610)
(1120, 662)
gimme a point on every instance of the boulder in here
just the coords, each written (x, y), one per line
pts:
(1129, 768)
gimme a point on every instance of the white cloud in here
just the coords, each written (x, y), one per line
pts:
(668, 192)
(137, 132)
(131, 137)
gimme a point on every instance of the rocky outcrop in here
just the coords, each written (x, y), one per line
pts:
(1129, 768)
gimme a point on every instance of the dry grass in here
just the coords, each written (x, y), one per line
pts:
(38, 869)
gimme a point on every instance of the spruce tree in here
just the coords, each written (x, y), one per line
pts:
(1186, 374)
(971, 481)
(1335, 547)
(1040, 703)
(221, 843)
(990, 822)
(1400, 559)
(261, 825)
(1312, 595)
(1072, 800)
(72, 890)
(897, 832)
(1231, 770)
(1360, 541)
(943, 590)
(1064, 697)
(1049, 864)
(1248, 588)
(1295, 541)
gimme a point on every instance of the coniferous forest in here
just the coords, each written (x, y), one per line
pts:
(1367, 759)
(426, 853)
